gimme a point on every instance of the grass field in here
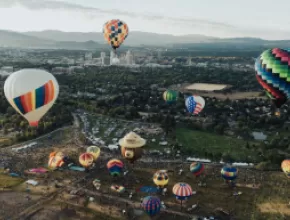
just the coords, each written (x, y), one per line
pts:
(202, 142)
(7, 181)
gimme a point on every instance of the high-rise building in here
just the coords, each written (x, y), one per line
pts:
(129, 58)
(159, 54)
(88, 56)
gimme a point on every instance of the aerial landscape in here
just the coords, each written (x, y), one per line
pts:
(144, 110)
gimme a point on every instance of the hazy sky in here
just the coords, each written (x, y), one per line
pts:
(267, 19)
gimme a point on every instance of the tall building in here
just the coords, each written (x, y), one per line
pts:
(159, 54)
(88, 56)
(129, 58)
(112, 57)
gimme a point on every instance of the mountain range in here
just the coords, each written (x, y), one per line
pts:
(51, 39)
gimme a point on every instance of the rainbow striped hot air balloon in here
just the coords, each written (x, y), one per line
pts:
(31, 92)
(170, 96)
(194, 104)
(151, 205)
(272, 73)
(286, 167)
(86, 160)
(182, 191)
(115, 167)
(196, 168)
(229, 173)
(161, 178)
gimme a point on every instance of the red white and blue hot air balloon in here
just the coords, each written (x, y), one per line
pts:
(194, 104)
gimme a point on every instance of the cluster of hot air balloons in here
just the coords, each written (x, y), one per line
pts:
(194, 104)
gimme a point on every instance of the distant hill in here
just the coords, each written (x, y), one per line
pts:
(76, 40)
(135, 38)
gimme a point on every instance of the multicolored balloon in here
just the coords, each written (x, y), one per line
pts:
(273, 74)
(56, 160)
(115, 167)
(31, 92)
(170, 96)
(161, 178)
(131, 146)
(86, 160)
(194, 104)
(115, 32)
(196, 168)
(151, 205)
(95, 151)
(286, 167)
(182, 191)
(229, 173)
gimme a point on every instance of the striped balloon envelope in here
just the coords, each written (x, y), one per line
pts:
(56, 160)
(286, 167)
(86, 160)
(151, 205)
(273, 74)
(31, 92)
(115, 167)
(229, 173)
(194, 104)
(170, 96)
(196, 168)
(182, 191)
(160, 178)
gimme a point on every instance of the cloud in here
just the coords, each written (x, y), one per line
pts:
(92, 11)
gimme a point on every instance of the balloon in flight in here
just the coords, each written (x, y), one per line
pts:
(286, 167)
(182, 191)
(194, 104)
(31, 92)
(115, 32)
(272, 69)
(170, 96)
(229, 173)
(196, 168)
(115, 167)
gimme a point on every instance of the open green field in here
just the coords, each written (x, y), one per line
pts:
(208, 144)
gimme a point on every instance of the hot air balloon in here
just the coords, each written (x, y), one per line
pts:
(151, 205)
(273, 74)
(182, 191)
(170, 96)
(194, 104)
(86, 160)
(95, 151)
(56, 160)
(131, 146)
(115, 32)
(229, 173)
(196, 168)
(31, 92)
(115, 167)
(161, 178)
(286, 167)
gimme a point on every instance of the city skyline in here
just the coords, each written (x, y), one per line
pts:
(223, 18)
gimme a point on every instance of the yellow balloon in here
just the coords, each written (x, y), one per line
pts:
(161, 178)
(95, 151)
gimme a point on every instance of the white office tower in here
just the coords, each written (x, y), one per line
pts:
(159, 54)
(129, 58)
(189, 61)
(112, 56)
(88, 56)
(103, 57)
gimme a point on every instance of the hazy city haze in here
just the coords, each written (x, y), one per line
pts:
(223, 18)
